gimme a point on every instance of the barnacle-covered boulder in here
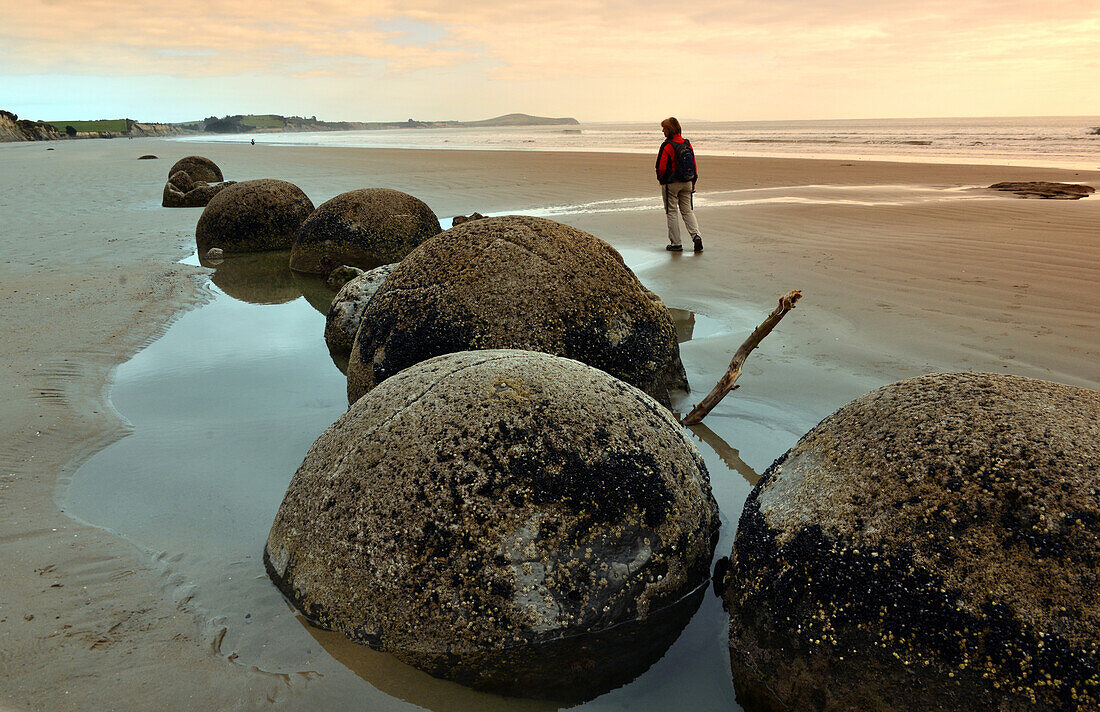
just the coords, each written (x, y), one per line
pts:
(253, 216)
(362, 228)
(510, 520)
(933, 545)
(198, 168)
(346, 310)
(524, 283)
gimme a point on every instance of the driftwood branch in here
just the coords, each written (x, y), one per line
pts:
(728, 382)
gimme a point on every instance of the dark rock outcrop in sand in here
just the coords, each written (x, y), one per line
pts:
(253, 216)
(363, 228)
(488, 516)
(1042, 189)
(519, 283)
(933, 545)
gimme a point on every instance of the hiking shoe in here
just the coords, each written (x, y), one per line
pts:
(698, 243)
(674, 248)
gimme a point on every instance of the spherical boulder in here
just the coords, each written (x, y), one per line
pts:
(199, 168)
(524, 283)
(362, 228)
(482, 508)
(933, 545)
(346, 310)
(253, 216)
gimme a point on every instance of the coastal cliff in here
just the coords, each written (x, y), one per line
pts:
(12, 128)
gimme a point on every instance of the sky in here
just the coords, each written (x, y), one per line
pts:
(595, 60)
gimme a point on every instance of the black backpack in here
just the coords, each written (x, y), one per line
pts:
(683, 162)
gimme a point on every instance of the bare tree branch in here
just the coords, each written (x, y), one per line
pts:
(728, 382)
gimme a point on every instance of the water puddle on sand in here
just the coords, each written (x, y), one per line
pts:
(224, 407)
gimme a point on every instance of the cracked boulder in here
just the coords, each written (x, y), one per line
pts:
(253, 216)
(510, 520)
(348, 306)
(520, 283)
(198, 168)
(933, 545)
(362, 228)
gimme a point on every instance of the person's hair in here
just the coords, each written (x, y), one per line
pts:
(672, 124)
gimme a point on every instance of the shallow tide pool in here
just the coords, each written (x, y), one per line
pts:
(224, 407)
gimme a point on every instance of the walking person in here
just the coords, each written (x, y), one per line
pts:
(677, 174)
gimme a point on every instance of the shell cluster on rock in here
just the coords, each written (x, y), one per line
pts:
(488, 516)
(931, 545)
(522, 283)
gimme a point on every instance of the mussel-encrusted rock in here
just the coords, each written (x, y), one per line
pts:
(253, 216)
(523, 283)
(363, 228)
(491, 516)
(933, 545)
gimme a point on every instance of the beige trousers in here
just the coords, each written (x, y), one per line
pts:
(677, 196)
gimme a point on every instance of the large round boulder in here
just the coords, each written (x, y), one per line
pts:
(933, 545)
(489, 516)
(199, 168)
(253, 216)
(346, 310)
(362, 228)
(523, 283)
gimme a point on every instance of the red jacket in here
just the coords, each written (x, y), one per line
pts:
(665, 159)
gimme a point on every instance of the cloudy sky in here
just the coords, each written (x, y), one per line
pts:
(596, 60)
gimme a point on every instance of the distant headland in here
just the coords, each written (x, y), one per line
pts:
(12, 128)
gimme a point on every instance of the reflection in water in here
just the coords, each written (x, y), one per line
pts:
(571, 670)
(729, 454)
(266, 278)
(753, 694)
(685, 324)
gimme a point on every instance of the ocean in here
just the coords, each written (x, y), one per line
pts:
(1068, 142)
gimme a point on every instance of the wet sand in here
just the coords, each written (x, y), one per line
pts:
(905, 270)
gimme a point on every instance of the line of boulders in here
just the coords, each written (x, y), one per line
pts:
(505, 503)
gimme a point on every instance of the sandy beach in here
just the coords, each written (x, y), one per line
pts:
(905, 268)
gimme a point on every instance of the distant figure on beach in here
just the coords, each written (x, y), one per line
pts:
(676, 172)
(253, 142)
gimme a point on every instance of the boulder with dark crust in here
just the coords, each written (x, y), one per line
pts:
(253, 216)
(199, 168)
(362, 228)
(933, 545)
(524, 283)
(510, 520)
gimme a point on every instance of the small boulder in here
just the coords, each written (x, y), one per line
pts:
(347, 308)
(459, 219)
(363, 228)
(182, 192)
(523, 283)
(932, 545)
(1042, 189)
(253, 216)
(483, 508)
(182, 181)
(147, 157)
(198, 168)
(215, 253)
(340, 276)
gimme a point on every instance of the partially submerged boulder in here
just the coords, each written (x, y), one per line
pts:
(253, 216)
(524, 283)
(199, 168)
(1043, 189)
(932, 545)
(347, 308)
(362, 228)
(490, 516)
